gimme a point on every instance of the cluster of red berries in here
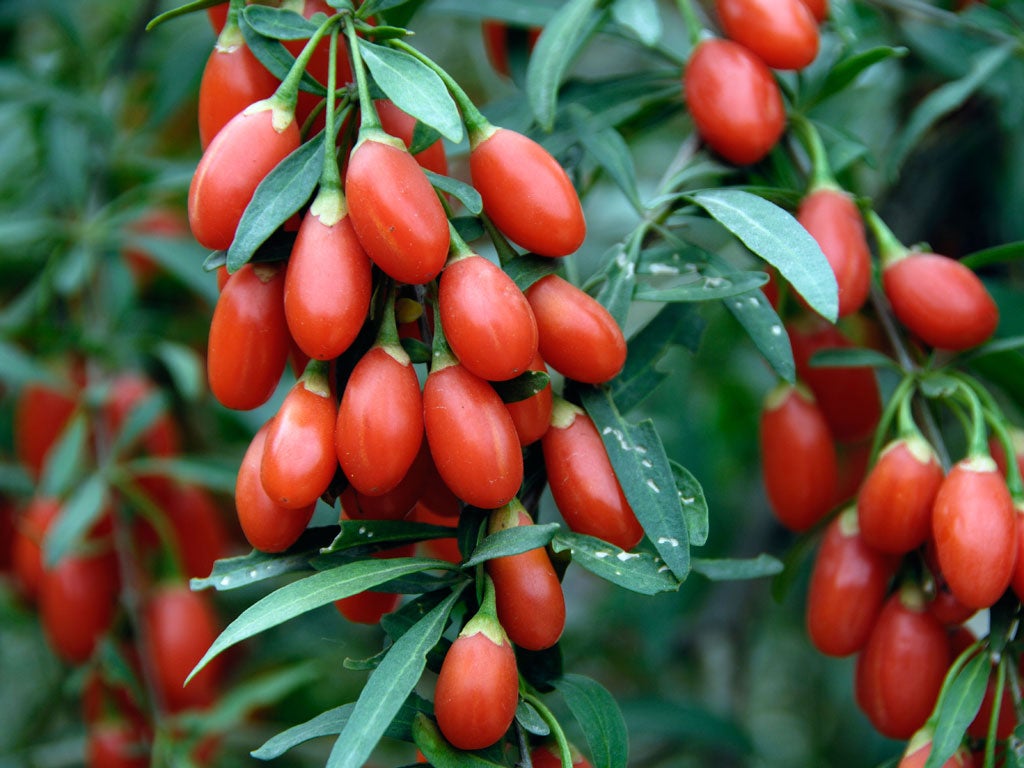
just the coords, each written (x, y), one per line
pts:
(916, 548)
(376, 260)
(151, 527)
(728, 84)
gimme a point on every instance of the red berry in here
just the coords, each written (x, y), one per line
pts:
(532, 416)
(78, 603)
(486, 319)
(583, 482)
(117, 744)
(975, 530)
(734, 101)
(798, 458)
(576, 335)
(40, 415)
(472, 438)
(402, 126)
(832, 219)
(940, 300)
(395, 212)
(249, 339)
(848, 587)
(26, 555)
(783, 33)
(526, 193)
(531, 606)
(232, 80)
(895, 502)
(549, 756)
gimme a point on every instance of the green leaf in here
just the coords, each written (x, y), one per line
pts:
(513, 541)
(278, 23)
(599, 717)
(525, 385)
(727, 569)
(560, 42)
(423, 138)
(960, 702)
(639, 16)
(417, 351)
(695, 506)
(610, 151)
(945, 99)
(461, 191)
(140, 418)
(530, 720)
(851, 358)
(235, 572)
(14, 480)
(618, 280)
(185, 366)
(276, 58)
(521, 13)
(704, 288)
(312, 592)
(778, 238)
(212, 472)
(388, 687)
(440, 753)
(66, 458)
(527, 269)
(331, 723)
(361, 533)
(281, 193)
(997, 347)
(764, 327)
(849, 69)
(414, 88)
(999, 254)
(639, 572)
(675, 325)
(77, 515)
(18, 369)
(642, 467)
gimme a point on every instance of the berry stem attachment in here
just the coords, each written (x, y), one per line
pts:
(441, 354)
(369, 121)
(330, 177)
(977, 445)
(821, 171)
(890, 249)
(387, 335)
(285, 97)
(506, 252)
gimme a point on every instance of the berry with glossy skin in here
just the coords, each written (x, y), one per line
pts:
(974, 526)
(328, 282)
(486, 319)
(379, 425)
(798, 458)
(78, 603)
(472, 438)
(940, 300)
(237, 160)
(232, 80)
(583, 482)
(576, 335)
(531, 606)
(831, 217)
(402, 125)
(180, 626)
(848, 587)
(895, 502)
(395, 212)
(532, 416)
(848, 397)
(734, 101)
(249, 340)
(478, 685)
(783, 33)
(41, 413)
(299, 459)
(526, 193)
(267, 525)
(901, 669)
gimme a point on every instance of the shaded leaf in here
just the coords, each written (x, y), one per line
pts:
(851, 358)
(704, 288)
(513, 541)
(214, 472)
(77, 515)
(527, 269)
(764, 327)
(525, 385)
(235, 572)
(66, 459)
(695, 506)
(440, 753)
(639, 572)
(728, 569)
(999, 254)
(960, 702)
(849, 69)
(599, 717)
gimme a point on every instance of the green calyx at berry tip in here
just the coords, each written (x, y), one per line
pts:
(563, 413)
(485, 622)
(506, 517)
(890, 249)
(387, 335)
(315, 378)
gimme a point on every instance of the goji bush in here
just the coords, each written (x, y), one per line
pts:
(641, 382)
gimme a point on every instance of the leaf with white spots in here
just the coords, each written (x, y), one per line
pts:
(643, 469)
(639, 572)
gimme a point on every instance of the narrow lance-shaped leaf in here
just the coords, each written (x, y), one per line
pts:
(619, 280)
(851, 358)
(558, 45)
(319, 589)
(849, 69)
(18, 368)
(706, 287)
(639, 16)
(66, 459)
(281, 193)
(276, 58)
(639, 572)
(77, 515)
(388, 687)
(778, 238)
(278, 23)
(764, 327)
(235, 572)
(513, 541)
(414, 88)
(610, 151)
(639, 459)
(525, 385)
(731, 569)
(961, 700)
(440, 753)
(461, 191)
(695, 506)
(360, 533)
(599, 717)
